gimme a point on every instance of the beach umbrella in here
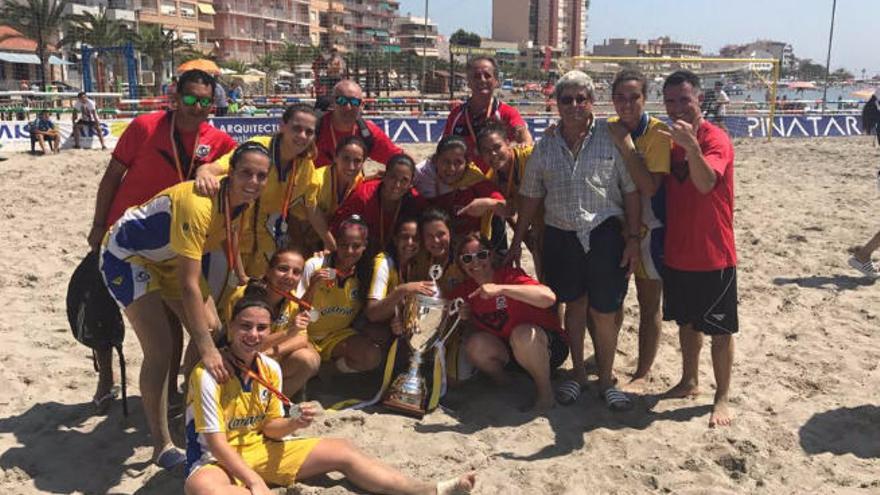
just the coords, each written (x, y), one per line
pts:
(284, 73)
(863, 94)
(801, 85)
(227, 72)
(255, 72)
(200, 63)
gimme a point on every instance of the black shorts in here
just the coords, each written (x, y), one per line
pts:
(87, 123)
(706, 300)
(556, 346)
(571, 273)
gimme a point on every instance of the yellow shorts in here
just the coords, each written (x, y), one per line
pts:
(651, 256)
(326, 344)
(132, 278)
(277, 462)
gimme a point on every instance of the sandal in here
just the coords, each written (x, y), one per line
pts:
(102, 403)
(867, 268)
(568, 392)
(170, 458)
(617, 400)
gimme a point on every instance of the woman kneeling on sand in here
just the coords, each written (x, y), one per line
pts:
(236, 430)
(512, 316)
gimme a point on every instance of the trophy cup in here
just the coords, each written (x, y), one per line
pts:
(426, 321)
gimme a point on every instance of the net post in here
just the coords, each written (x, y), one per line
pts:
(773, 86)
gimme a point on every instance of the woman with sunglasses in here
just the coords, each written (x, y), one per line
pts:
(394, 274)
(512, 317)
(331, 187)
(453, 184)
(278, 219)
(335, 286)
(380, 201)
(288, 341)
(152, 257)
(237, 433)
(344, 120)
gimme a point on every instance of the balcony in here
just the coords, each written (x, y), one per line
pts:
(122, 15)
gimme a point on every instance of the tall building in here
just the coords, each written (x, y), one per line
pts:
(559, 24)
(370, 25)
(192, 21)
(331, 32)
(246, 29)
(413, 36)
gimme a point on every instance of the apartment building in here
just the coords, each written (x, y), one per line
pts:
(370, 25)
(559, 24)
(415, 37)
(191, 20)
(246, 29)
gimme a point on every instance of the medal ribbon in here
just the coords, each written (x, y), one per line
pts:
(291, 178)
(290, 297)
(192, 159)
(382, 219)
(231, 234)
(262, 381)
(467, 118)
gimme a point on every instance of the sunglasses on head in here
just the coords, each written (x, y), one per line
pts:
(344, 100)
(190, 100)
(568, 100)
(468, 258)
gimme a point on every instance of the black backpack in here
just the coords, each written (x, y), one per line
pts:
(94, 317)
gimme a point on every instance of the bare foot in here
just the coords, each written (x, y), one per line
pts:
(637, 385)
(459, 486)
(682, 391)
(721, 414)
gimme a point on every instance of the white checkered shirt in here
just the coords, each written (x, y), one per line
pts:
(578, 194)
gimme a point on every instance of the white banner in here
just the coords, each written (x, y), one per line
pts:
(14, 134)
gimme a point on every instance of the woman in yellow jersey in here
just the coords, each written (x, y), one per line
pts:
(435, 228)
(236, 430)
(288, 342)
(332, 185)
(507, 166)
(153, 253)
(279, 217)
(646, 151)
(335, 286)
(393, 273)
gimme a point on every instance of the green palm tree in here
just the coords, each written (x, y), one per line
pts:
(236, 65)
(157, 44)
(97, 31)
(39, 20)
(270, 64)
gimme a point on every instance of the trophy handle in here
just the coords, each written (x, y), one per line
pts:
(454, 309)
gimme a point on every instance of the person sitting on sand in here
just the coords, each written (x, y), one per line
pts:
(152, 257)
(512, 316)
(700, 254)
(335, 286)
(435, 229)
(288, 341)
(237, 433)
(393, 273)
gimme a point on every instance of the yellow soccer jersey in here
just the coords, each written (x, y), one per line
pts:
(338, 305)
(386, 277)
(176, 222)
(656, 150)
(237, 408)
(321, 192)
(281, 323)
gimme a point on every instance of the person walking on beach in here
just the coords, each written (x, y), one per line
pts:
(156, 151)
(700, 255)
(592, 216)
(861, 259)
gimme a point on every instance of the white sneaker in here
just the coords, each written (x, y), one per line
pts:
(867, 268)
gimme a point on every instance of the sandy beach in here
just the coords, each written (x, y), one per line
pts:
(807, 361)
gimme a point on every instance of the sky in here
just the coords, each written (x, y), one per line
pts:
(802, 23)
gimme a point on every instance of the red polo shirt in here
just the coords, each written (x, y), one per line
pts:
(699, 227)
(383, 148)
(146, 150)
(365, 201)
(457, 124)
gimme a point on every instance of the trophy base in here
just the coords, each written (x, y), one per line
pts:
(403, 407)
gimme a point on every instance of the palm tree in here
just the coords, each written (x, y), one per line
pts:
(269, 64)
(156, 43)
(234, 65)
(39, 20)
(97, 31)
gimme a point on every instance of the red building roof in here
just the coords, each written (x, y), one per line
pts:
(16, 44)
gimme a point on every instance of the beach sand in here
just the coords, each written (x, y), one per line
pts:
(806, 365)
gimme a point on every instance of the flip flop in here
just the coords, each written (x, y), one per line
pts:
(617, 400)
(102, 403)
(568, 392)
(170, 458)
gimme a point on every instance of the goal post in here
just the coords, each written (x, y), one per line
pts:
(748, 77)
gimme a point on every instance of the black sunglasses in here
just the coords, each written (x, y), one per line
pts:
(468, 258)
(343, 100)
(568, 100)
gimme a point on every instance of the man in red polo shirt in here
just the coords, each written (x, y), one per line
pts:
(156, 151)
(343, 120)
(700, 259)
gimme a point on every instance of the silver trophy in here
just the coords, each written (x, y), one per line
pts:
(428, 322)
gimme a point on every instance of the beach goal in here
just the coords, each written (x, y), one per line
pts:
(751, 84)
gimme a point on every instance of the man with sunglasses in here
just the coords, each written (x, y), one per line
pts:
(343, 120)
(157, 151)
(593, 225)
